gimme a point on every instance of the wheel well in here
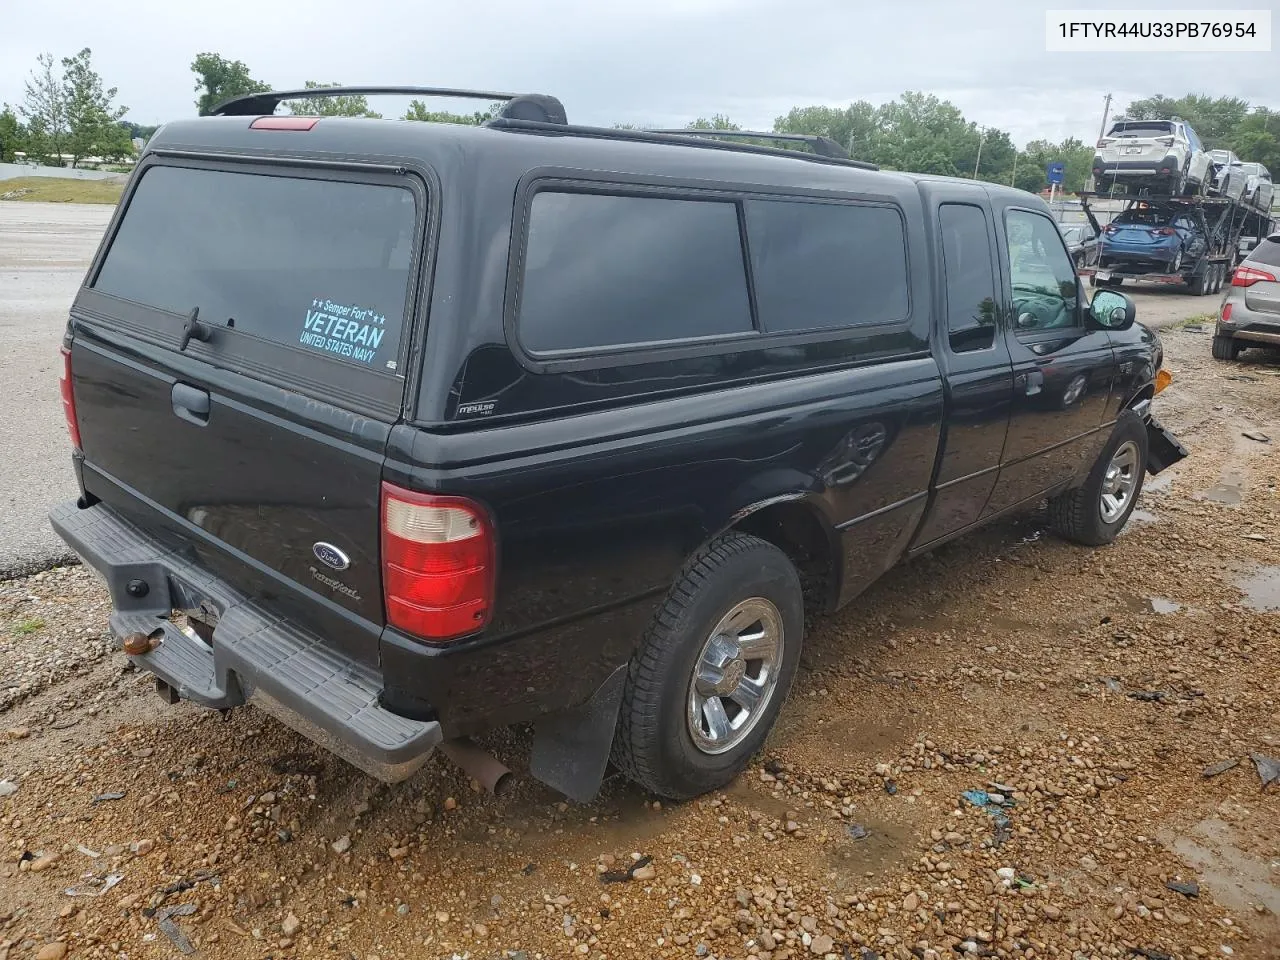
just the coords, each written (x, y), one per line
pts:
(799, 532)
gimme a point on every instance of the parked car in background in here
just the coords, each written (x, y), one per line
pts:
(1258, 188)
(1229, 177)
(1160, 156)
(1250, 312)
(1159, 237)
(1082, 243)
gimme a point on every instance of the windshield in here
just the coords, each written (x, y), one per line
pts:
(1147, 217)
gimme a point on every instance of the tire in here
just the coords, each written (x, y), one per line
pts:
(1197, 286)
(1176, 263)
(654, 744)
(1081, 515)
(1225, 348)
(1219, 270)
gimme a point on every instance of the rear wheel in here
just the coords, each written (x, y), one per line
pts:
(706, 684)
(1093, 514)
(1198, 285)
(1225, 348)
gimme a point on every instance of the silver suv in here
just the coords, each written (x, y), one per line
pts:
(1257, 186)
(1162, 156)
(1229, 176)
(1250, 312)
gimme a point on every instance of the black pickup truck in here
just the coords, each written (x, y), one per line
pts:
(403, 431)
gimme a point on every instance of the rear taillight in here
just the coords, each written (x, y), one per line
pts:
(1167, 141)
(1163, 232)
(1226, 312)
(1103, 142)
(1109, 228)
(284, 123)
(437, 564)
(1248, 276)
(69, 399)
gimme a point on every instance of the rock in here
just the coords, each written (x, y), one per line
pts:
(822, 945)
(911, 903)
(1006, 873)
(442, 916)
(644, 874)
(341, 845)
(480, 930)
(143, 847)
(19, 733)
(450, 803)
(43, 863)
(402, 910)
(1051, 912)
(129, 901)
(767, 941)
(1188, 889)
(8, 788)
(291, 925)
(792, 826)
(398, 853)
(52, 951)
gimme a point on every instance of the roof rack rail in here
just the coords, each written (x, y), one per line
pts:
(535, 107)
(822, 146)
(681, 138)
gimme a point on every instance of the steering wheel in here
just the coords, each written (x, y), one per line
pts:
(1036, 309)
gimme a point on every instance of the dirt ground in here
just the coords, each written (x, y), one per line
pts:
(1088, 694)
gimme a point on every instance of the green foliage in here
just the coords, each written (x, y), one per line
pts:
(44, 106)
(24, 628)
(1215, 120)
(13, 135)
(93, 120)
(717, 121)
(331, 106)
(219, 79)
(418, 111)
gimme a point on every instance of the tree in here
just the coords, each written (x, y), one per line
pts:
(331, 106)
(717, 121)
(418, 111)
(1214, 119)
(13, 135)
(218, 79)
(92, 118)
(45, 107)
(1257, 138)
(855, 127)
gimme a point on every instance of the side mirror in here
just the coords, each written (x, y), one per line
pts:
(1112, 310)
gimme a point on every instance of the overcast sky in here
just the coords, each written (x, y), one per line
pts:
(639, 61)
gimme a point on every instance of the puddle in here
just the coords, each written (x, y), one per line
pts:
(1143, 516)
(885, 847)
(1261, 588)
(1229, 493)
(1158, 484)
(1161, 605)
(1240, 880)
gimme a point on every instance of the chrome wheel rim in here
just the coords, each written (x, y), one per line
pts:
(1119, 482)
(735, 676)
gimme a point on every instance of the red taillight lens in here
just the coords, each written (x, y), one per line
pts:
(1103, 142)
(1109, 229)
(1248, 276)
(69, 399)
(1226, 312)
(1163, 232)
(437, 564)
(1167, 141)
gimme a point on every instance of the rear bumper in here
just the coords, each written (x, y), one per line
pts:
(256, 656)
(1144, 167)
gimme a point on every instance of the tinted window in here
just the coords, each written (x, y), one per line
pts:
(1268, 252)
(1153, 128)
(320, 265)
(1045, 289)
(970, 277)
(823, 265)
(607, 271)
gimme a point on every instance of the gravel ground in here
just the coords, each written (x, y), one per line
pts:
(1085, 692)
(45, 249)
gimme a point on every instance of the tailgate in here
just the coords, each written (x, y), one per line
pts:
(257, 442)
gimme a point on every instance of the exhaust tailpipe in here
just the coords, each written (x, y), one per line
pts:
(482, 767)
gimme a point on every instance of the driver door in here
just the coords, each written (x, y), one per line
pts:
(1062, 369)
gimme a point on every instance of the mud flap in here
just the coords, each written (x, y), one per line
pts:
(571, 748)
(1163, 448)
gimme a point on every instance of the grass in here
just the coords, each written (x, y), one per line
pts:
(61, 190)
(27, 627)
(1200, 318)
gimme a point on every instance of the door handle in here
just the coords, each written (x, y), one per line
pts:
(191, 404)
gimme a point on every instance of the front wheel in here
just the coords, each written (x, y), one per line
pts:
(705, 685)
(1096, 512)
(1225, 348)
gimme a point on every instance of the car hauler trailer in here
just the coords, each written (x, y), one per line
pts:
(1221, 221)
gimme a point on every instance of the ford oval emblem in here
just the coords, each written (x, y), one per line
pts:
(330, 555)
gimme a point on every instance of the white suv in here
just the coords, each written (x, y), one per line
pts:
(1164, 156)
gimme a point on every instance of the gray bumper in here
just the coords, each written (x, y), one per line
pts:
(256, 656)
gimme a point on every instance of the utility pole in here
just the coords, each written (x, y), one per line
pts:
(1106, 109)
(982, 134)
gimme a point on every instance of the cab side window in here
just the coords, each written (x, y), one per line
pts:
(1044, 286)
(970, 277)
